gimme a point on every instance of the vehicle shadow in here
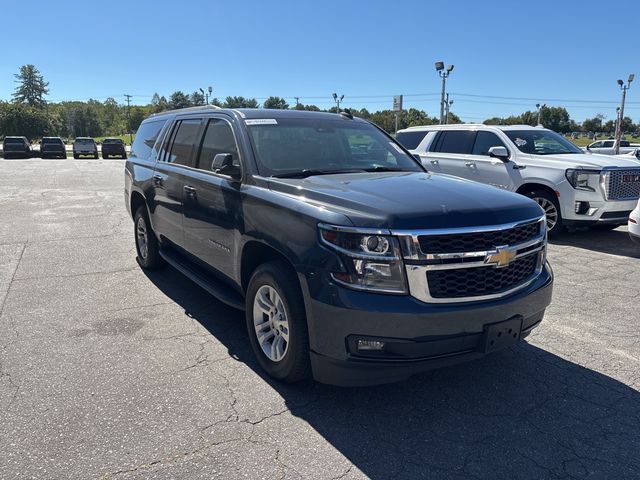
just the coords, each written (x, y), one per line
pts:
(613, 242)
(523, 413)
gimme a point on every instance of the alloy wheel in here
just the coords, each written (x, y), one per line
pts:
(271, 323)
(550, 211)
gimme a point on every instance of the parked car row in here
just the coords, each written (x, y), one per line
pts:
(54, 147)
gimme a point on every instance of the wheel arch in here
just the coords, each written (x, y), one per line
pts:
(254, 254)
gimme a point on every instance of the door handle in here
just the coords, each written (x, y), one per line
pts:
(157, 179)
(191, 191)
(434, 161)
(470, 164)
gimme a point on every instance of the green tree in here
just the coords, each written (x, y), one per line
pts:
(22, 119)
(197, 98)
(111, 117)
(593, 124)
(31, 87)
(158, 103)
(179, 99)
(138, 114)
(240, 102)
(277, 103)
(310, 108)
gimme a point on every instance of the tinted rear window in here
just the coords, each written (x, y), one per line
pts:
(146, 136)
(455, 141)
(18, 141)
(112, 140)
(410, 140)
(85, 141)
(56, 141)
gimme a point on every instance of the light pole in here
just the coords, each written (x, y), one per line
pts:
(448, 104)
(206, 102)
(444, 74)
(210, 90)
(624, 88)
(540, 107)
(338, 99)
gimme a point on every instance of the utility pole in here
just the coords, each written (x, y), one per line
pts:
(624, 88)
(297, 101)
(540, 107)
(444, 74)
(129, 117)
(338, 99)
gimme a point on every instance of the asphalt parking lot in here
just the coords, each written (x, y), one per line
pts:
(107, 372)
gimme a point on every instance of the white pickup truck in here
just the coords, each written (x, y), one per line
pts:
(606, 147)
(574, 188)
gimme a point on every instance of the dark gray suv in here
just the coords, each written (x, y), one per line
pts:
(352, 262)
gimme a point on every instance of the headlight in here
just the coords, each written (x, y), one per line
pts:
(581, 179)
(371, 258)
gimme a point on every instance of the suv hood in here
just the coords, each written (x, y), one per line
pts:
(591, 160)
(409, 200)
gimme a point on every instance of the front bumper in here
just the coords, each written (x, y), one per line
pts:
(423, 336)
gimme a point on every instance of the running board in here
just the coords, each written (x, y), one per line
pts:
(200, 277)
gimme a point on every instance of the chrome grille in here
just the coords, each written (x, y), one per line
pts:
(616, 188)
(478, 241)
(473, 264)
(471, 282)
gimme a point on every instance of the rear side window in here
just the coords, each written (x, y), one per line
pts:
(455, 141)
(185, 139)
(145, 138)
(410, 140)
(218, 138)
(484, 141)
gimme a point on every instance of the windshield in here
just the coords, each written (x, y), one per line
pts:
(300, 147)
(85, 141)
(541, 142)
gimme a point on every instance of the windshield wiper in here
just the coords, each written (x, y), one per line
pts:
(379, 168)
(310, 172)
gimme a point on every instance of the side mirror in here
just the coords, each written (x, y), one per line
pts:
(223, 164)
(500, 153)
(588, 147)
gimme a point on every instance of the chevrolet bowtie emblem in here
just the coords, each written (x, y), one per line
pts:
(502, 257)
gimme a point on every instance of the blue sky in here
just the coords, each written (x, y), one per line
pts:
(544, 51)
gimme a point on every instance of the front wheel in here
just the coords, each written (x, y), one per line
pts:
(551, 207)
(147, 245)
(276, 322)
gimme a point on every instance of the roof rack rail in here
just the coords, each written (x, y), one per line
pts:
(189, 109)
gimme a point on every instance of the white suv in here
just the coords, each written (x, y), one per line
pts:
(574, 188)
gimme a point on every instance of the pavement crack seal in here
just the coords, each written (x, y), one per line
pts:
(13, 276)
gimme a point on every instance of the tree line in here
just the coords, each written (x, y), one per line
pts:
(29, 114)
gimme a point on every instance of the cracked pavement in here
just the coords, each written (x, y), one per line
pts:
(108, 372)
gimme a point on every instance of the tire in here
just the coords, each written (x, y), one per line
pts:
(76, 156)
(105, 156)
(147, 246)
(96, 157)
(549, 204)
(274, 286)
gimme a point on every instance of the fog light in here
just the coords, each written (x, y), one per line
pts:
(369, 345)
(582, 207)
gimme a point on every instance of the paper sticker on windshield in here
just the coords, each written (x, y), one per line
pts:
(520, 142)
(261, 121)
(398, 149)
